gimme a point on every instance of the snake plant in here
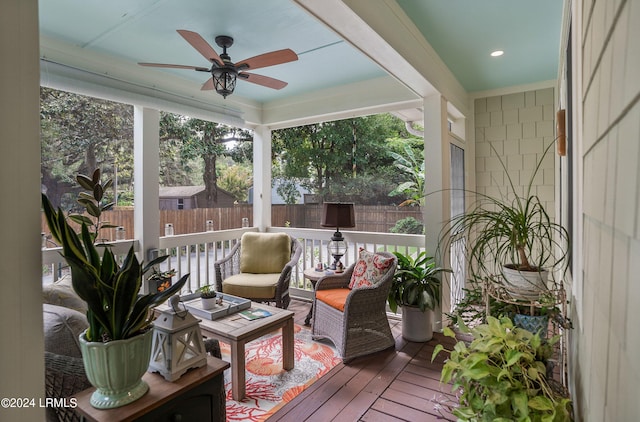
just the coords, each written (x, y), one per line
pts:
(116, 309)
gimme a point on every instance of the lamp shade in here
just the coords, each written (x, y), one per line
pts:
(338, 214)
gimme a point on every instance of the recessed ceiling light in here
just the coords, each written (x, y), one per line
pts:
(497, 53)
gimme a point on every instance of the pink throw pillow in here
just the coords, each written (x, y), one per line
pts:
(369, 269)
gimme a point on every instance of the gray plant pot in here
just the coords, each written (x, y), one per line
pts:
(417, 325)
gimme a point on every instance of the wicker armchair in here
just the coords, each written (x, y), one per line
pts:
(64, 370)
(362, 328)
(261, 283)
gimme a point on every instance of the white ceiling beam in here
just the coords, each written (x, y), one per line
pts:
(382, 31)
(89, 73)
(379, 95)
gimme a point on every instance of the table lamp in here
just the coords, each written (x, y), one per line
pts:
(337, 214)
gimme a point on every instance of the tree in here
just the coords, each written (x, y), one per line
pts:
(287, 189)
(174, 133)
(413, 168)
(344, 159)
(79, 134)
(206, 141)
(236, 179)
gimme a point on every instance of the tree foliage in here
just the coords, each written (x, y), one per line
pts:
(207, 141)
(79, 134)
(342, 159)
(412, 166)
(339, 160)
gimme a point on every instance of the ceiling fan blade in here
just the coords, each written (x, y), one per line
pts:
(268, 59)
(263, 80)
(175, 66)
(201, 45)
(207, 86)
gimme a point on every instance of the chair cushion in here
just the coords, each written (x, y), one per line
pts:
(256, 286)
(336, 298)
(61, 293)
(369, 269)
(264, 253)
(62, 326)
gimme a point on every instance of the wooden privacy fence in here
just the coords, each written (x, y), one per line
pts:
(369, 218)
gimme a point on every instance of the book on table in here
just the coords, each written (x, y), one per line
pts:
(254, 313)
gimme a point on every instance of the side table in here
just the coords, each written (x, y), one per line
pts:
(193, 397)
(313, 276)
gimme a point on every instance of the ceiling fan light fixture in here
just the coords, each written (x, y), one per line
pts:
(224, 72)
(224, 80)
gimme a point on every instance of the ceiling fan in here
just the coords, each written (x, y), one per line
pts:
(223, 71)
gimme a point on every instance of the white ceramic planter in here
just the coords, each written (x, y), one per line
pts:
(115, 368)
(417, 325)
(208, 302)
(527, 285)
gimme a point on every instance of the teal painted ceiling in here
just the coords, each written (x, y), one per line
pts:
(145, 31)
(465, 32)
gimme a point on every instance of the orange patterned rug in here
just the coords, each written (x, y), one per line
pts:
(269, 387)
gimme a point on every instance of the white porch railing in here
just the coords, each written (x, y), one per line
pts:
(197, 252)
(54, 266)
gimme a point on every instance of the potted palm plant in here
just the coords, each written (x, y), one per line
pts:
(120, 318)
(512, 239)
(416, 289)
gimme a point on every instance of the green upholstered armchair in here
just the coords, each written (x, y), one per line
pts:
(259, 267)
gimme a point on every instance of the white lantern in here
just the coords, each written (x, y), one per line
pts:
(177, 343)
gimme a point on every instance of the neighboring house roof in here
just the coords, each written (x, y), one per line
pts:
(186, 191)
(179, 191)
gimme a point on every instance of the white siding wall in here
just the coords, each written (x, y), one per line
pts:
(606, 340)
(518, 126)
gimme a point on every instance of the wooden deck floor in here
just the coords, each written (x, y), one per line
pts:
(392, 385)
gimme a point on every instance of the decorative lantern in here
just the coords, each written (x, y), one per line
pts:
(177, 343)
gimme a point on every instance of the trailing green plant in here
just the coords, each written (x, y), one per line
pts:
(115, 308)
(501, 375)
(514, 230)
(416, 282)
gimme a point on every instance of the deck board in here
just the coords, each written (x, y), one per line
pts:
(400, 384)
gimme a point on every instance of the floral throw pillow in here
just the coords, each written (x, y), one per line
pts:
(369, 269)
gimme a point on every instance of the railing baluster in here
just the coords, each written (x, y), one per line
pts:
(217, 244)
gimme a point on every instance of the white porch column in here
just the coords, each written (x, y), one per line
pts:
(262, 177)
(146, 164)
(437, 163)
(22, 350)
